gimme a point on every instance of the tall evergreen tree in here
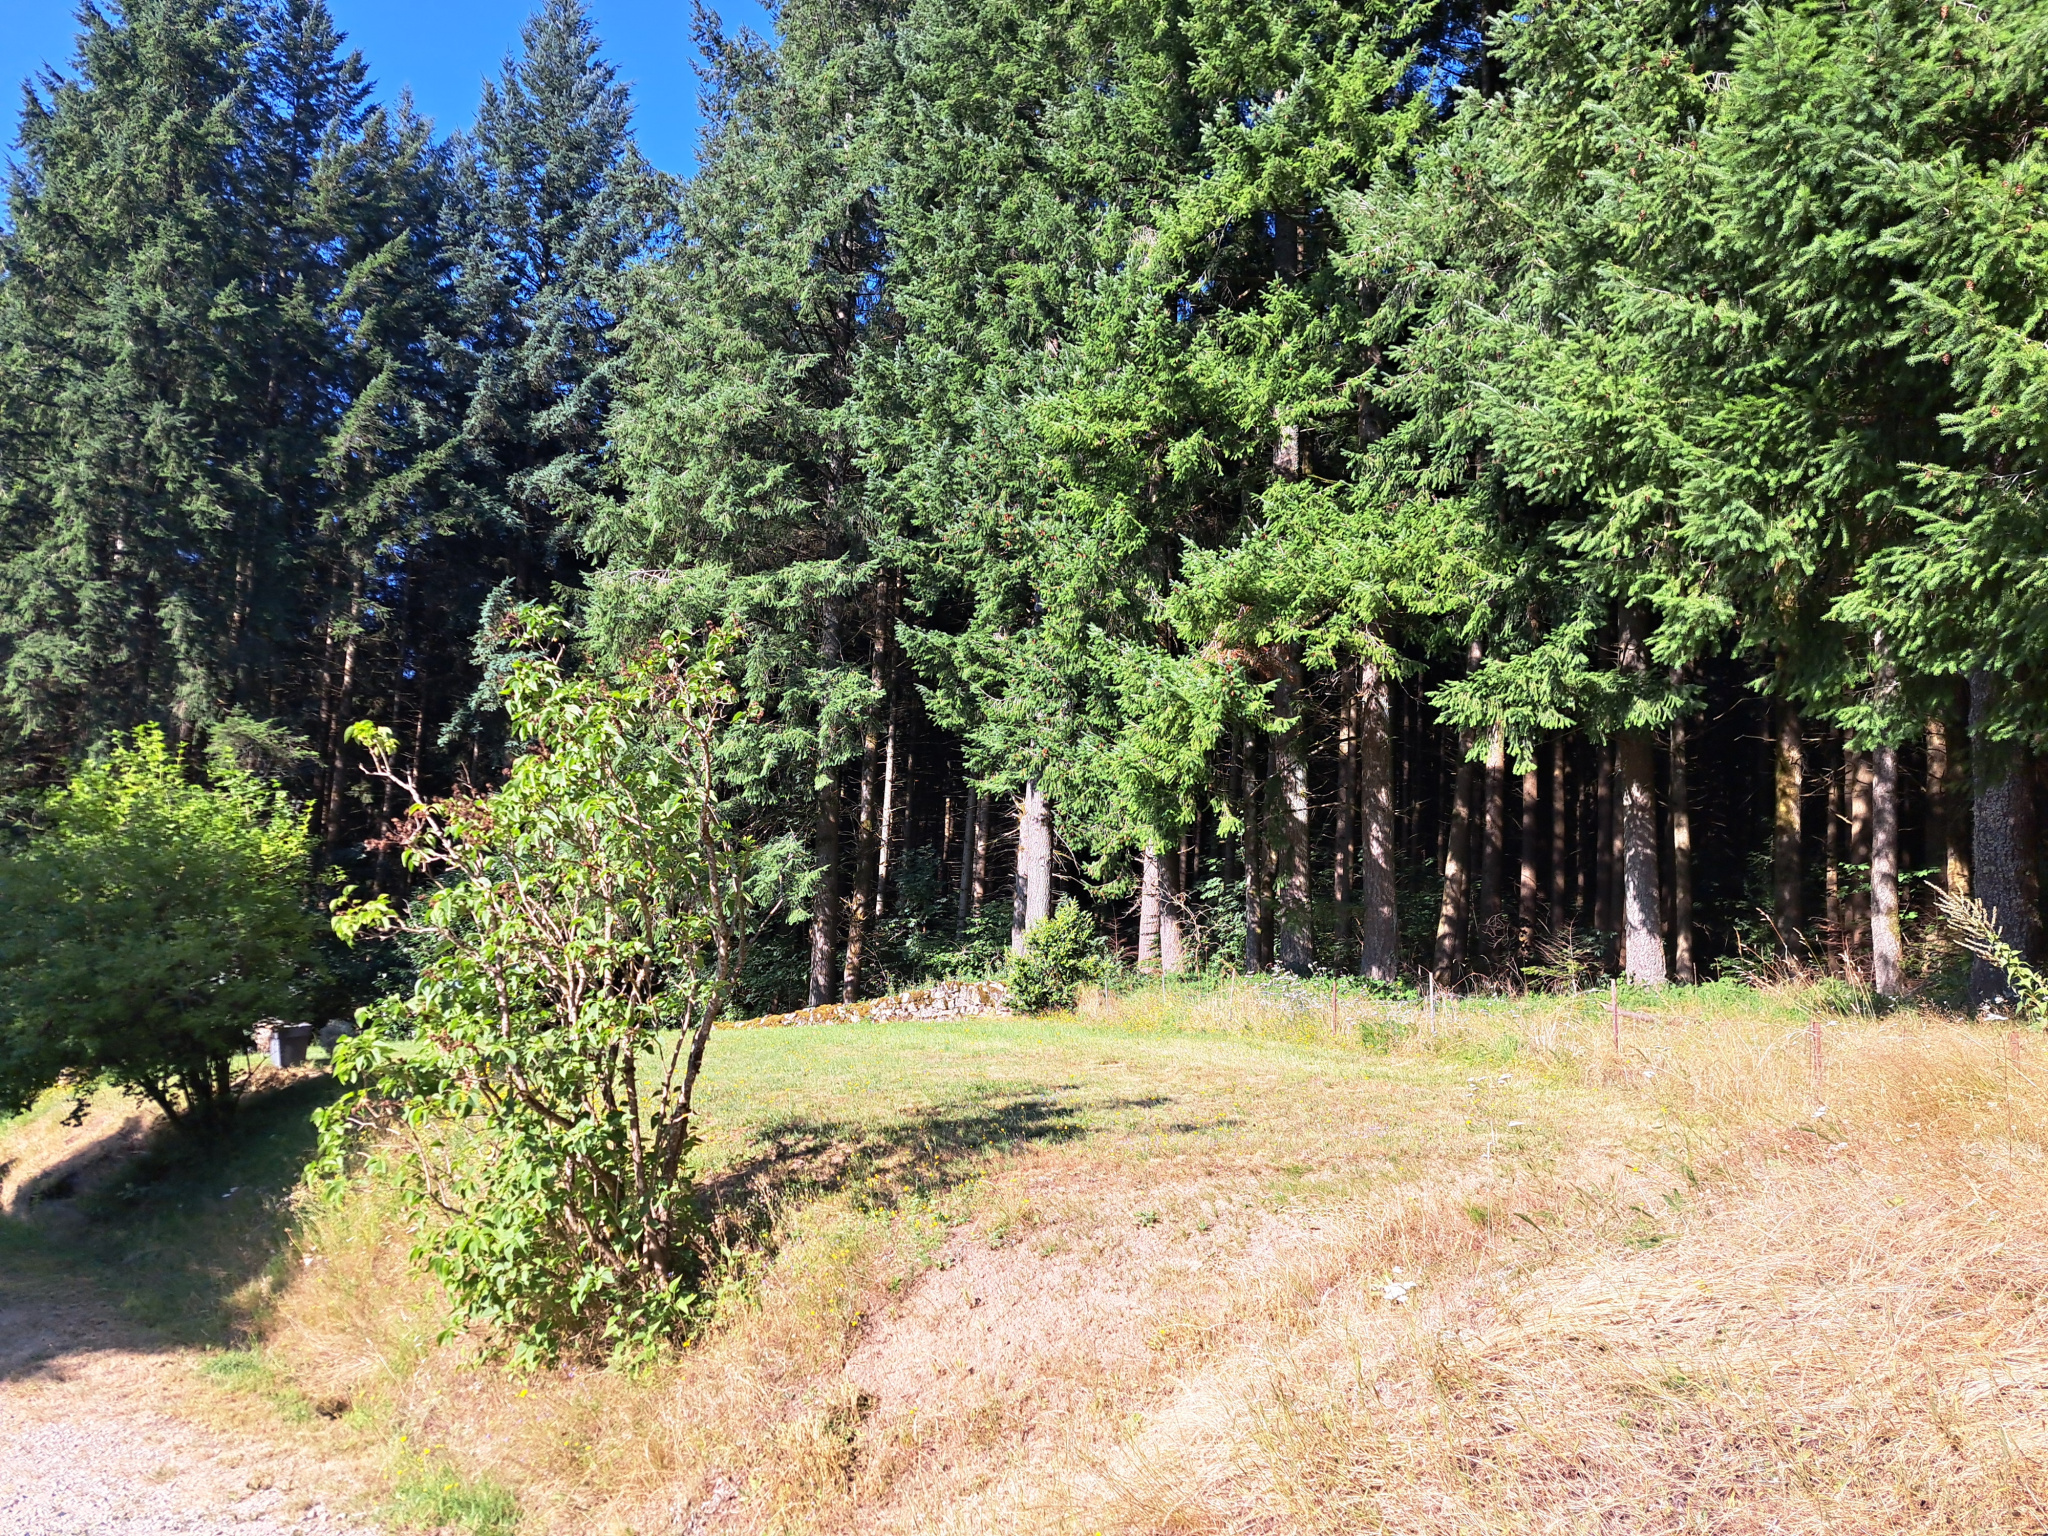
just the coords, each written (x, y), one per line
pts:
(554, 205)
(219, 403)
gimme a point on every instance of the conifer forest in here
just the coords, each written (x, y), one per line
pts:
(1414, 490)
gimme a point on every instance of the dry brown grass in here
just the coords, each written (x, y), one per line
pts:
(1651, 1291)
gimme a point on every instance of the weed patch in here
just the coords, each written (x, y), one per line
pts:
(428, 1494)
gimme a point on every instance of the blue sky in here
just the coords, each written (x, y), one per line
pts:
(444, 48)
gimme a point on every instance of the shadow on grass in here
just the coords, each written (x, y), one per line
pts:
(915, 1158)
(180, 1240)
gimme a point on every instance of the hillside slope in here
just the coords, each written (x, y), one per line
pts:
(1198, 1264)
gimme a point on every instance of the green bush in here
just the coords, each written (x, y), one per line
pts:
(147, 921)
(1061, 953)
(581, 939)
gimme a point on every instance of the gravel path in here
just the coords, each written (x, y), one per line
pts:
(89, 1446)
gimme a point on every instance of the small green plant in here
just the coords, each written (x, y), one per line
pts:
(245, 1371)
(147, 921)
(1972, 928)
(1566, 961)
(1062, 952)
(428, 1494)
(580, 941)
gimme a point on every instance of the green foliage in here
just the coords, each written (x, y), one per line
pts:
(147, 921)
(1062, 952)
(429, 1494)
(581, 936)
(1973, 928)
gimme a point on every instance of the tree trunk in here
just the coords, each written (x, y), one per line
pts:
(1887, 951)
(980, 833)
(1251, 791)
(970, 851)
(1836, 845)
(1454, 910)
(338, 722)
(860, 904)
(1493, 848)
(825, 836)
(1019, 880)
(1787, 896)
(2001, 839)
(1857, 907)
(1148, 908)
(1173, 948)
(1560, 835)
(1343, 838)
(1604, 922)
(1525, 904)
(1946, 843)
(1642, 911)
(1297, 949)
(889, 797)
(1584, 907)
(1642, 942)
(1379, 932)
(1684, 968)
(867, 855)
(1034, 866)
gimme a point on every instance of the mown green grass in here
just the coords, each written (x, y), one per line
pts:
(909, 1109)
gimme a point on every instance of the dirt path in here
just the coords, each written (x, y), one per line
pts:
(92, 1444)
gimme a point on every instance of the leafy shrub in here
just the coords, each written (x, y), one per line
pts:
(147, 921)
(1061, 953)
(579, 943)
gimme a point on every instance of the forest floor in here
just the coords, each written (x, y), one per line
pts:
(1222, 1262)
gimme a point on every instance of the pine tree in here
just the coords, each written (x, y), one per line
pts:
(741, 435)
(224, 408)
(553, 207)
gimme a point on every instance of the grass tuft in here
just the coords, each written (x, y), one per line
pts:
(428, 1494)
